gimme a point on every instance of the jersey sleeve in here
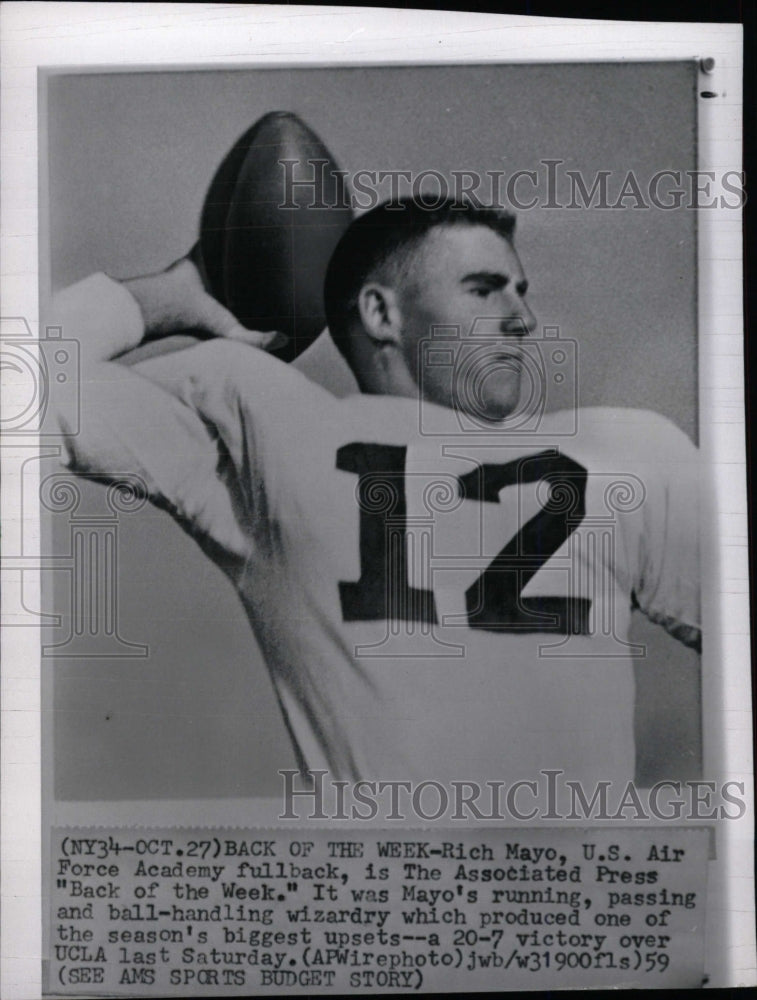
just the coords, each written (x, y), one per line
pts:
(135, 426)
(662, 539)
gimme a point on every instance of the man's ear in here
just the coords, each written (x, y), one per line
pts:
(380, 313)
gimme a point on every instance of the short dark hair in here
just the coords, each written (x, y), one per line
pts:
(378, 243)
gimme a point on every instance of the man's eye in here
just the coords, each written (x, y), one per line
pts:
(481, 291)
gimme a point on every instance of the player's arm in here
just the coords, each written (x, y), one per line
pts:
(665, 546)
(130, 425)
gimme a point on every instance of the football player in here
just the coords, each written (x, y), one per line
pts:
(440, 579)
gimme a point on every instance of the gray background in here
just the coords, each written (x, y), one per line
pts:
(129, 159)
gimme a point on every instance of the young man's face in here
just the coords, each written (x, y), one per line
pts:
(468, 280)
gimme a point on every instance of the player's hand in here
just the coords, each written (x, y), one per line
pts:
(175, 301)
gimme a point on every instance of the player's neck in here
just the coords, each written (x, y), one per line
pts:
(383, 371)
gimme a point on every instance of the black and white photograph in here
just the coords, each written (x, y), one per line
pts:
(362, 598)
(381, 550)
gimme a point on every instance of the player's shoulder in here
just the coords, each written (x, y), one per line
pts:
(252, 375)
(622, 439)
(636, 434)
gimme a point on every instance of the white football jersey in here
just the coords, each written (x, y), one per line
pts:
(432, 603)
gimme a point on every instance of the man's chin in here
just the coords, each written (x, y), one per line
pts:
(495, 413)
(494, 398)
(488, 411)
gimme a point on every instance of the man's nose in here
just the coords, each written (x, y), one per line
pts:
(519, 321)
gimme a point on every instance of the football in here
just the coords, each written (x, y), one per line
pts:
(274, 212)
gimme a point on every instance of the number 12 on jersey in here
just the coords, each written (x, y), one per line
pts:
(495, 600)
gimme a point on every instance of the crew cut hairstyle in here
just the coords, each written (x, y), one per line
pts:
(378, 245)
